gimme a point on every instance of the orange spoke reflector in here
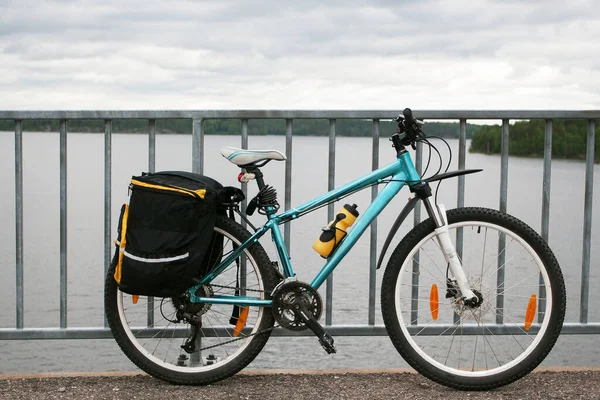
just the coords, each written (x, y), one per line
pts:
(135, 298)
(530, 314)
(434, 303)
(241, 322)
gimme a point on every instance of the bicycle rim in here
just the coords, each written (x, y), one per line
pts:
(492, 338)
(151, 326)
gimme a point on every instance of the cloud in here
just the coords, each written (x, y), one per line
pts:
(311, 54)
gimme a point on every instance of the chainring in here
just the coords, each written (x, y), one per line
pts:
(283, 301)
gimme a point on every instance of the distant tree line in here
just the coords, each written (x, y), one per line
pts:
(302, 127)
(526, 138)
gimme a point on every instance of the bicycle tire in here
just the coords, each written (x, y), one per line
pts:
(426, 336)
(157, 349)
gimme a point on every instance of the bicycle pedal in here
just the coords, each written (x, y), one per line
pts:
(326, 341)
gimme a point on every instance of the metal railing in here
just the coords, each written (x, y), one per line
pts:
(20, 332)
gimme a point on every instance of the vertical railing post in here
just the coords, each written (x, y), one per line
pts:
(502, 237)
(107, 193)
(373, 228)
(151, 169)
(288, 180)
(63, 223)
(587, 222)
(197, 145)
(460, 200)
(107, 197)
(198, 168)
(414, 295)
(419, 168)
(19, 221)
(504, 166)
(243, 264)
(330, 216)
(546, 182)
(152, 145)
(244, 144)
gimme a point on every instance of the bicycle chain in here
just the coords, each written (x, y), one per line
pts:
(232, 287)
(240, 338)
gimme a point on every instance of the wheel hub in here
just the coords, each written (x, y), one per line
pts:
(482, 304)
(476, 302)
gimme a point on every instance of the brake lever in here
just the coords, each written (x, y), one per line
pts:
(401, 123)
(398, 119)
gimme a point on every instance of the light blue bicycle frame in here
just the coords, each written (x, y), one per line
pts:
(401, 172)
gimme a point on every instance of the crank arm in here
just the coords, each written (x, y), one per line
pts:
(325, 339)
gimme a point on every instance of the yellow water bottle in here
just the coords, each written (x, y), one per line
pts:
(336, 230)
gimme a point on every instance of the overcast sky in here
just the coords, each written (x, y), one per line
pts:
(143, 54)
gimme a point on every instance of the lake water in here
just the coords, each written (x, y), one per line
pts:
(310, 160)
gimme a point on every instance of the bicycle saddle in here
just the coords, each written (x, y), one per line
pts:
(244, 157)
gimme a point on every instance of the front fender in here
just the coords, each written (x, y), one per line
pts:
(411, 204)
(403, 214)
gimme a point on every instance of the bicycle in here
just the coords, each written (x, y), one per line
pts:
(499, 314)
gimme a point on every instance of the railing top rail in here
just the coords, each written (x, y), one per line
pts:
(298, 114)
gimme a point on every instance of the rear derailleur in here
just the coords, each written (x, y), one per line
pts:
(192, 314)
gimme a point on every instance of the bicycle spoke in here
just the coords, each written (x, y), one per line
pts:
(448, 338)
(440, 251)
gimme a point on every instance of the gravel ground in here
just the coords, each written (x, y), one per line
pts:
(321, 385)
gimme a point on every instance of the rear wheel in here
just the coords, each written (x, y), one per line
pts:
(149, 333)
(481, 346)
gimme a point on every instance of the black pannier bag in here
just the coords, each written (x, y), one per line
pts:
(165, 235)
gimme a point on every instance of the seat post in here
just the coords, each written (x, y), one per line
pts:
(266, 199)
(253, 169)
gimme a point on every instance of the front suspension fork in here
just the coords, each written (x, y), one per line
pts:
(438, 214)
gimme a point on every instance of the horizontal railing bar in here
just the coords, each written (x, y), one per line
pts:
(335, 330)
(301, 114)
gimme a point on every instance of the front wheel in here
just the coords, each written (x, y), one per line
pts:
(518, 315)
(222, 340)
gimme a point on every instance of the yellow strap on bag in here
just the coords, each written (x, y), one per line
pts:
(200, 192)
(122, 244)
